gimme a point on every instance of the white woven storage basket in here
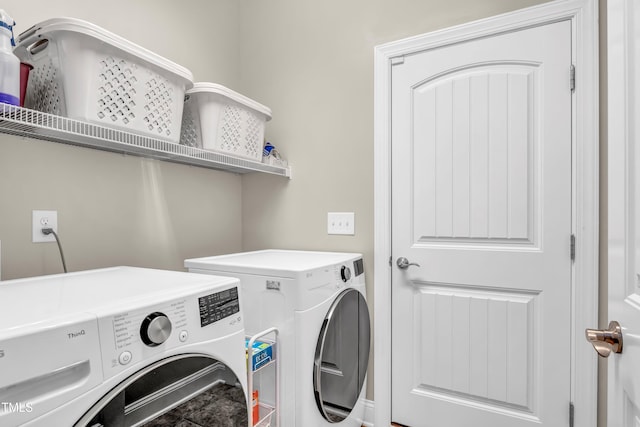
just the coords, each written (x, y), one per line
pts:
(219, 119)
(84, 72)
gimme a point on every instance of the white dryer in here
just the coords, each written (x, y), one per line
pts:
(317, 300)
(120, 347)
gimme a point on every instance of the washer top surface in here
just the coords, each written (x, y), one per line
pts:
(271, 262)
(68, 297)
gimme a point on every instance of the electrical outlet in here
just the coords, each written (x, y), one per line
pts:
(341, 223)
(44, 219)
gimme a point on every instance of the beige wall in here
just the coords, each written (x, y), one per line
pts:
(115, 209)
(312, 63)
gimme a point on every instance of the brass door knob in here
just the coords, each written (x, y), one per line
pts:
(607, 340)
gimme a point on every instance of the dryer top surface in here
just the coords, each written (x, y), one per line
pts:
(273, 262)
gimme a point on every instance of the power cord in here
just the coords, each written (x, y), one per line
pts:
(46, 232)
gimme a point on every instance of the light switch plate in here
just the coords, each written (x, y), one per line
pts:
(341, 223)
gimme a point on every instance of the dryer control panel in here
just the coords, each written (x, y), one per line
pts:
(322, 283)
(349, 270)
(358, 267)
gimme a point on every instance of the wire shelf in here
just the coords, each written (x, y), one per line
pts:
(35, 124)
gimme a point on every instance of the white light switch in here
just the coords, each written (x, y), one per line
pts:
(341, 223)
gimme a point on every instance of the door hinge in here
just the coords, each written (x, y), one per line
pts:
(573, 78)
(397, 60)
(573, 247)
(390, 261)
(571, 411)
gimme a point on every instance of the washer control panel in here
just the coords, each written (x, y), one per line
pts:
(218, 306)
(136, 335)
(148, 326)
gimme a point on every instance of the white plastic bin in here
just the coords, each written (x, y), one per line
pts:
(219, 119)
(84, 72)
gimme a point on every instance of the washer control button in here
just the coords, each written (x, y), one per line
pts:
(155, 329)
(183, 336)
(125, 357)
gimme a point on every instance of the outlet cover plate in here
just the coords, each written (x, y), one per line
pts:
(43, 219)
(341, 223)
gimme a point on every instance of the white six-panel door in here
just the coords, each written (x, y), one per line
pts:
(481, 200)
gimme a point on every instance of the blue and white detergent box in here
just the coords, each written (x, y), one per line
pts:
(262, 353)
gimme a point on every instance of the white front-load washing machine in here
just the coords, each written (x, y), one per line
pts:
(317, 300)
(122, 347)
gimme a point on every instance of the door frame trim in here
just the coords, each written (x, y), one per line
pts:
(585, 187)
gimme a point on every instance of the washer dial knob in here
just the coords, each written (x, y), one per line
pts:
(345, 273)
(155, 329)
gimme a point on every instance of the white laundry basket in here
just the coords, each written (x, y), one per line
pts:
(219, 119)
(84, 72)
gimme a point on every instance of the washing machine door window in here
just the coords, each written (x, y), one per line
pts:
(341, 357)
(191, 389)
